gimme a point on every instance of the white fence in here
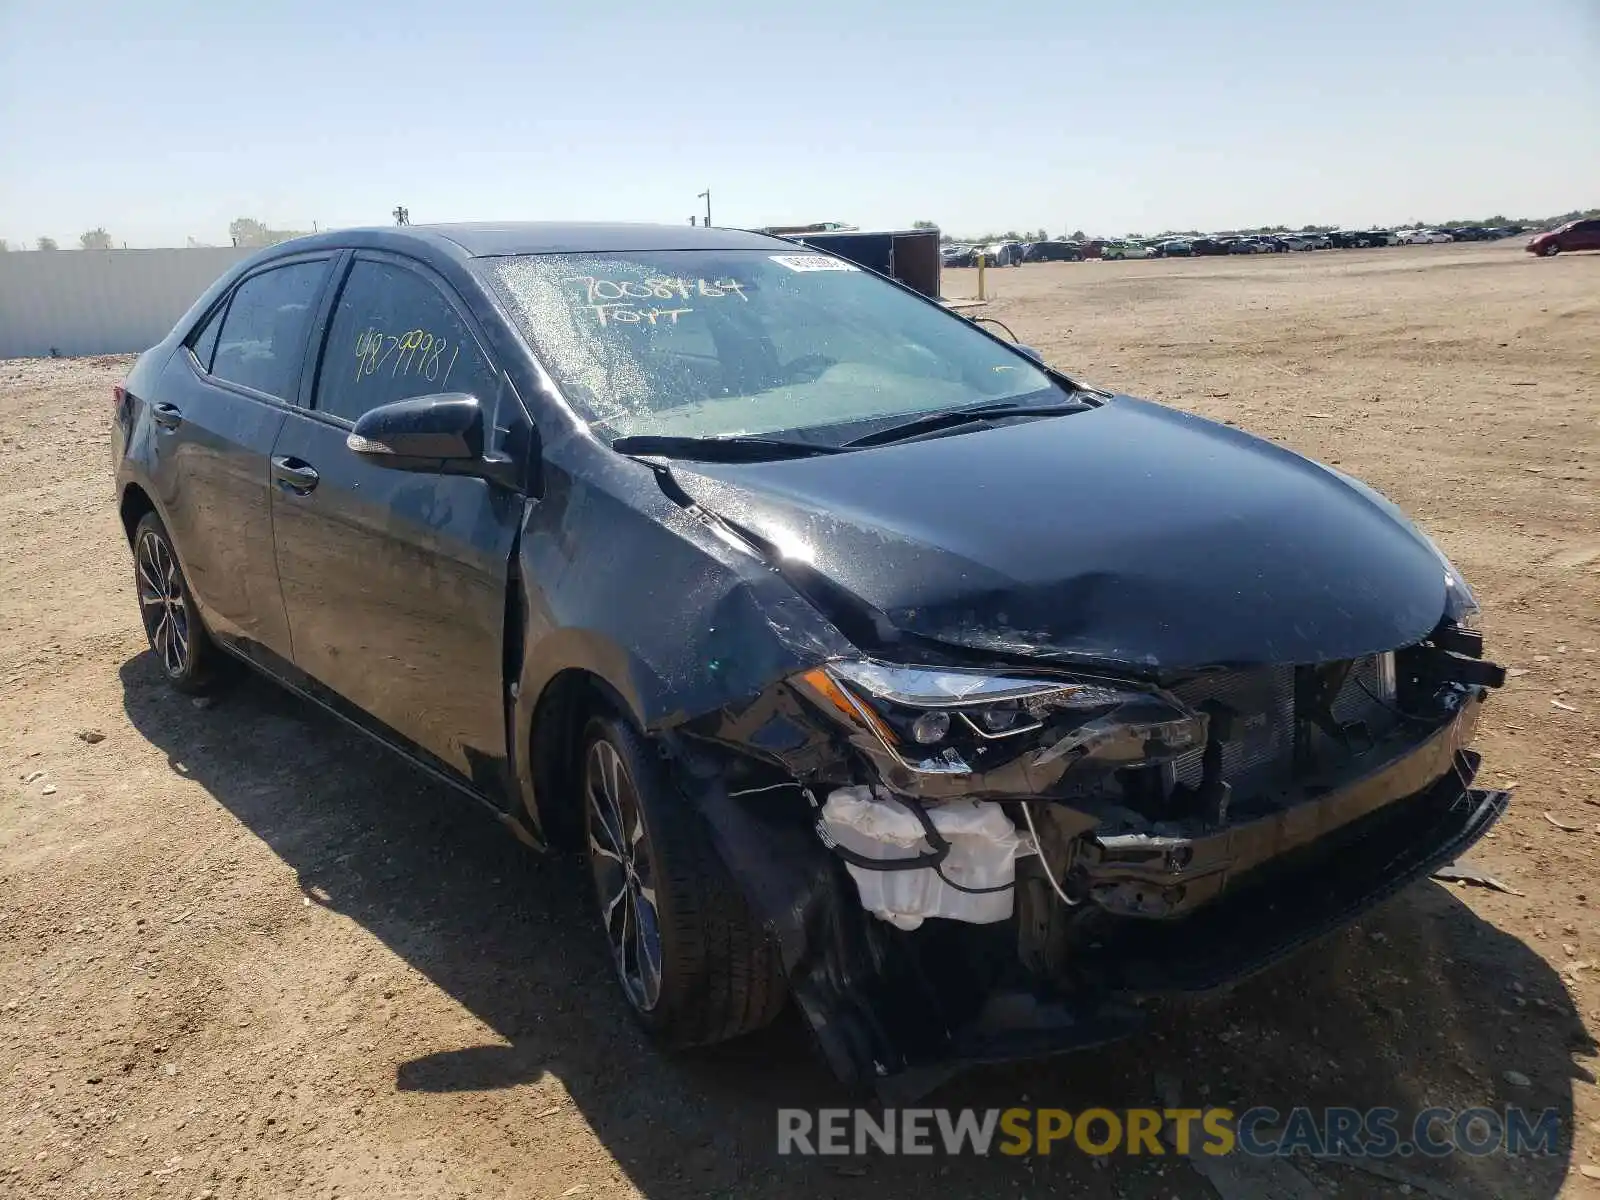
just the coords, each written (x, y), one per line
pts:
(100, 301)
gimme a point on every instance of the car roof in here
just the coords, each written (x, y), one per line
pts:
(489, 239)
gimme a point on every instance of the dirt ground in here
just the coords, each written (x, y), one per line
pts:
(243, 953)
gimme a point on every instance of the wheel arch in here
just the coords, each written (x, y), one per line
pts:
(133, 506)
(556, 696)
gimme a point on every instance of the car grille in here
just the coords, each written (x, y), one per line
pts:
(1259, 756)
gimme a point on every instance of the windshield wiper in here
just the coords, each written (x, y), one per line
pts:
(719, 449)
(950, 418)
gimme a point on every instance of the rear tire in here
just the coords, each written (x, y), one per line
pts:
(695, 965)
(184, 651)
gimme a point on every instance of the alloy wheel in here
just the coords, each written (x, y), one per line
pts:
(162, 603)
(619, 854)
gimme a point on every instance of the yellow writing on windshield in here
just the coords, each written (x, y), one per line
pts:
(627, 314)
(613, 300)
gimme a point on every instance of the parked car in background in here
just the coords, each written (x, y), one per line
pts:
(1574, 235)
(800, 663)
(1364, 239)
(1295, 241)
(1002, 254)
(1208, 246)
(1423, 237)
(1173, 248)
(956, 255)
(1053, 251)
(1124, 249)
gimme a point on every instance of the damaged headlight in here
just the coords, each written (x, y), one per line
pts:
(955, 722)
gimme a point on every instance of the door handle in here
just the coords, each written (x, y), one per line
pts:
(166, 415)
(295, 475)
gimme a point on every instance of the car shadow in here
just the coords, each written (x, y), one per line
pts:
(1424, 1004)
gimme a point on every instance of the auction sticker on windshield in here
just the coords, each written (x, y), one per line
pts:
(812, 262)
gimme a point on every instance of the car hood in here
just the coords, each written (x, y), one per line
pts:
(1127, 534)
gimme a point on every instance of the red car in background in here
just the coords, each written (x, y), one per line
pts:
(1574, 235)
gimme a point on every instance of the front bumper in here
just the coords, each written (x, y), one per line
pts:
(900, 1011)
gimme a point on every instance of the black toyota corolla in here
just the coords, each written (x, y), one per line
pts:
(868, 660)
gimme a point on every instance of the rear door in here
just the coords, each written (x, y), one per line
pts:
(396, 582)
(219, 407)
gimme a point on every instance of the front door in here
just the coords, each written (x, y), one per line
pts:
(396, 583)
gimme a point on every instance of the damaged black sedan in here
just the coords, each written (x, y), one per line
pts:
(869, 660)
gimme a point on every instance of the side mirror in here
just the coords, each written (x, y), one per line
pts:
(441, 433)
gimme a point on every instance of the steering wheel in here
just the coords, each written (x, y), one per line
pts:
(806, 368)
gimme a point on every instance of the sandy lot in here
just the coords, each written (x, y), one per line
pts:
(242, 953)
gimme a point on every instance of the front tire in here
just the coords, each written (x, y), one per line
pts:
(188, 658)
(1550, 250)
(695, 965)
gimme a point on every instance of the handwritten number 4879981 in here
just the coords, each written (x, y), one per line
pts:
(416, 353)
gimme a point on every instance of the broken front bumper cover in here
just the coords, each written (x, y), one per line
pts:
(1241, 934)
(1183, 870)
(901, 1011)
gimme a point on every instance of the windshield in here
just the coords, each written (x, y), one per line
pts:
(723, 343)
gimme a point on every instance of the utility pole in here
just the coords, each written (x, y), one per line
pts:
(706, 196)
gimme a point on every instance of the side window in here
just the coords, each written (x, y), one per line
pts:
(263, 336)
(203, 341)
(393, 336)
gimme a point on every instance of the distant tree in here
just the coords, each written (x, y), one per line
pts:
(4, 245)
(47, 243)
(247, 231)
(924, 225)
(95, 239)
(1077, 235)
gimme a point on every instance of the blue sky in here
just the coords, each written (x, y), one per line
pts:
(167, 118)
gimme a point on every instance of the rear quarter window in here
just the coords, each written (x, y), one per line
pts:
(202, 342)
